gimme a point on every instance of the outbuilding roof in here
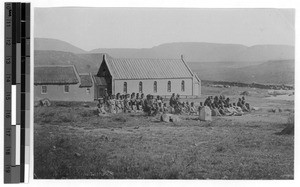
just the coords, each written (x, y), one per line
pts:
(121, 68)
(55, 74)
(85, 80)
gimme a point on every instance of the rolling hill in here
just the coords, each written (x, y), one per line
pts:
(207, 52)
(85, 63)
(271, 72)
(219, 62)
(47, 44)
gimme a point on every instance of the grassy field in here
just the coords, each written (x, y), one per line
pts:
(70, 141)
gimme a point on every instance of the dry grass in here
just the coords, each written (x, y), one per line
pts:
(72, 142)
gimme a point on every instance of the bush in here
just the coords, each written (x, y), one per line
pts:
(289, 129)
(65, 118)
(63, 104)
(46, 120)
(120, 119)
(87, 113)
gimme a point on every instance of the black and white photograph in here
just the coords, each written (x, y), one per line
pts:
(163, 93)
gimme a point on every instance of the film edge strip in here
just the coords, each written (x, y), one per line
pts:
(17, 92)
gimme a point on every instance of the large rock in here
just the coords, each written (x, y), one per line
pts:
(169, 118)
(174, 118)
(205, 114)
(165, 117)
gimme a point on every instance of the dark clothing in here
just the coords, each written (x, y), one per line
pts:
(206, 102)
(239, 104)
(148, 106)
(132, 103)
(172, 101)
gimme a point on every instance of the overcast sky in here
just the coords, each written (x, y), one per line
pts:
(90, 28)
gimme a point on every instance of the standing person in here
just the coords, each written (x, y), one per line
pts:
(178, 105)
(121, 101)
(159, 103)
(105, 97)
(138, 102)
(108, 104)
(127, 107)
(118, 103)
(142, 100)
(172, 100)
(133, 102)
(113, 104)
(147, 105)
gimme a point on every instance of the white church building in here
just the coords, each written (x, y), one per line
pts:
(149, 76)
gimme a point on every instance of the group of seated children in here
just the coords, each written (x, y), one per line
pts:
(220, 106)
(151, 105)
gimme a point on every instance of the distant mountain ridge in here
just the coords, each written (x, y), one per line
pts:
(270, 72)
(207, 52)
(219, 62)
(192, 51)
(48, 44)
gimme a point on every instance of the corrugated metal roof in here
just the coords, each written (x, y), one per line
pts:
(85, 80)
(147, 68)
(55, 75)
(99, 81)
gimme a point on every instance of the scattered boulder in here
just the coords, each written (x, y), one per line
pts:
(169, 118)
(174, 118)
(165, 117)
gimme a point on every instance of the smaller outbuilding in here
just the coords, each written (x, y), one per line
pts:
(63, 83)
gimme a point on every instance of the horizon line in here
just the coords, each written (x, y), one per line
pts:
(161, 44)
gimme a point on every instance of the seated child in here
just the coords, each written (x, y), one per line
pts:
(238, 109)
(101, 110)
(165, 108)
(193, 109)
